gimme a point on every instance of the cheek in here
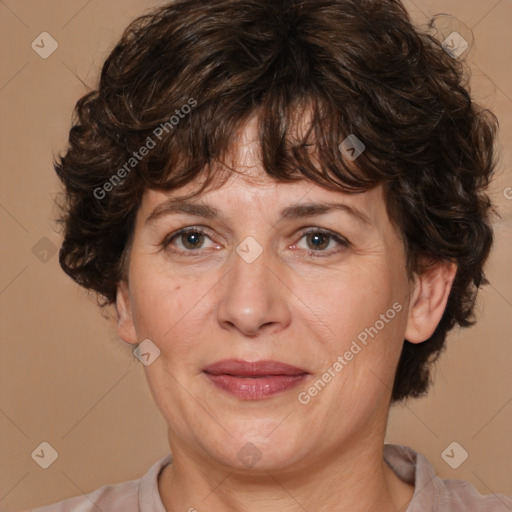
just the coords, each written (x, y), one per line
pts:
(352, 299)
(364, 309)
(158, 300)
(168, 309)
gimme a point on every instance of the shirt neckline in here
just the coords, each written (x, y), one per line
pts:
(149, 496)
(415, 469)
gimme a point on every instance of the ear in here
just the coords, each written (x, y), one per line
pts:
(125, 326)
(428, 300)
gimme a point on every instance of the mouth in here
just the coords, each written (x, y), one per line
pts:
(254, 380)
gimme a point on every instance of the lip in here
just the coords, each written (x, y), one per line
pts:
(254, 380)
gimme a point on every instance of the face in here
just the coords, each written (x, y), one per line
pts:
(326, 293)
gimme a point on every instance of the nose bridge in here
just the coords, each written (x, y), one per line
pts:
(252, 296)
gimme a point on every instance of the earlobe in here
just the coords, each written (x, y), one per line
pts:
(429, 300)
(125, 326)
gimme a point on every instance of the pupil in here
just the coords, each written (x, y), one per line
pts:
(317, 237)
(189, 239)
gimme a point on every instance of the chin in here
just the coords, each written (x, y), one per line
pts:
(254, 452)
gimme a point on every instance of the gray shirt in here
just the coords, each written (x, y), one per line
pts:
(431, 493)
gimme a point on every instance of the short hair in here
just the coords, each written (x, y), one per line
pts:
(186, 76)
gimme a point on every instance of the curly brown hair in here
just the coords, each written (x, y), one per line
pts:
(359, 67)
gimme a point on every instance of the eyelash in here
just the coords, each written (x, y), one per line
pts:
(199, 230)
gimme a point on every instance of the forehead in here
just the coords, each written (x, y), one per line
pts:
(248, 188)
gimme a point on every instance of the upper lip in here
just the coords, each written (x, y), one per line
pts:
(241, 368)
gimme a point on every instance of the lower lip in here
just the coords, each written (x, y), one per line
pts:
(256, 388)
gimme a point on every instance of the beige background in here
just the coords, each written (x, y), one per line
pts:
(65, 377)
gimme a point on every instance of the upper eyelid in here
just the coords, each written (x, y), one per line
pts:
(169, 238)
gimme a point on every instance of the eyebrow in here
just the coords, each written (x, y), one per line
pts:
(176, 206)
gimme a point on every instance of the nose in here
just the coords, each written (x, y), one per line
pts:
(254, 297)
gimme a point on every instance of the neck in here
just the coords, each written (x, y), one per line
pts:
(353, 478)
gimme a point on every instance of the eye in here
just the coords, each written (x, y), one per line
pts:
(318, 240)
(190, 239)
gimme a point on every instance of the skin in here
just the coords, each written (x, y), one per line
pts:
(289, 306)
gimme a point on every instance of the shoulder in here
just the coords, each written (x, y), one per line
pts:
(118, 497)
(130, 496)
(433, 493)
(461, 496)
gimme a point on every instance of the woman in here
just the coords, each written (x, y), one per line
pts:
(286, 203)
